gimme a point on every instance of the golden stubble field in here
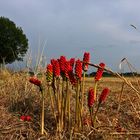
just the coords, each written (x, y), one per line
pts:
(118, 118)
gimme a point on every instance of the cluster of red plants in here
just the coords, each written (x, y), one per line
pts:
(71, 71)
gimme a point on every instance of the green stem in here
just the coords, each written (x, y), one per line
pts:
(94, 118)
(52, 102)
(77, 105)
(68, 98)
(62, 105)
(66, 101)
(82, 97)
(91, 115)
(95, 90)
(42, 113)
(58, 104)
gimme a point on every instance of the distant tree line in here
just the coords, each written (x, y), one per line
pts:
(106, 74)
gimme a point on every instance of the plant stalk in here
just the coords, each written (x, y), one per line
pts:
(42, 113)
(77, 106)
(82, 97)
(95, 90)
(94, 118)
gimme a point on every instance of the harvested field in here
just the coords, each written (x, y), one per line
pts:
(118, 117)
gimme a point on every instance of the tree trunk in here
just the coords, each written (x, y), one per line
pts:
(2, 65)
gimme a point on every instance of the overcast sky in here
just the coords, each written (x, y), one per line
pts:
(71, 27)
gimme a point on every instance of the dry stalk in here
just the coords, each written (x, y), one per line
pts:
(42, 113)
(66, 103)
(83, 89)
(77, 106)
(62, 104)
(58, 95)
(133, 107)
(52, 102)
(120, 96)
(68, 107)
(125, 133)
(130, 67)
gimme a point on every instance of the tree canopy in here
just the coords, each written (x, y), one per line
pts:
(13, 42)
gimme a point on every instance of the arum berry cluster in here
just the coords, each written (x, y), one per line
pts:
(78, 69)
(25, 118)
(34, 80)
(99, 72)
(49, 73)
(92, 95)
(86, 60)
(66, 92)
(90, 98)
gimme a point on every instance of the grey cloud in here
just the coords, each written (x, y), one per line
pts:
(73, 26)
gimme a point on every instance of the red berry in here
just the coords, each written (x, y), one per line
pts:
(99, 72)
(90, 98)
(78, 69)
(23, 118)
(28, 118)
(103, 95)
(35, 81)
(86, 58)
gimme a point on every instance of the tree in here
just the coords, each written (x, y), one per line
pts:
(13, 42)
